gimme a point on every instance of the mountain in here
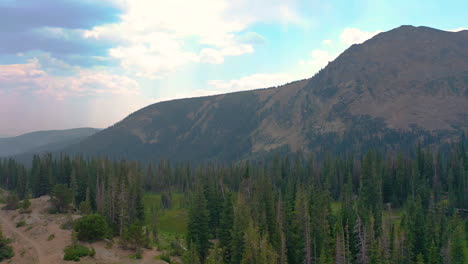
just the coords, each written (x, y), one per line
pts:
(43, 141)
(401, 87)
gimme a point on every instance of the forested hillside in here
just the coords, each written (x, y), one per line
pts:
(372, 208)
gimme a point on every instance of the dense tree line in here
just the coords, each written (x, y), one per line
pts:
(112, 189)
(375, 208)
(370, 209)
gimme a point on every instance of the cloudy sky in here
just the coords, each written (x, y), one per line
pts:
(76, 63)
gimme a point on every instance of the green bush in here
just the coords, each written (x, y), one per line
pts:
(85, 208)
(165, 256)
(6, 251)
(21, 223)
(51, 237)
(91, 228)
(92, 252)
(12, 202)
(76, 252)
(25, 204)
(25, 207)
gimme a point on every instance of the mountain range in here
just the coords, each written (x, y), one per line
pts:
(43, 141)
(401, 87)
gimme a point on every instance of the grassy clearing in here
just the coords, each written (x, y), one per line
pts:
(168, 221)
(336, 208)
(396, 214)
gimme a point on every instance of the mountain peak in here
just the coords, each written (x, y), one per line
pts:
(407, 85)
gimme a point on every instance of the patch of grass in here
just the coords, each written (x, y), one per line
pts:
(171, 221)
(51, 237)
(335, 208)
(21, 223)
(29, 228)
(395, 216)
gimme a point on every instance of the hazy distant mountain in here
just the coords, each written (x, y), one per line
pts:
(43, 141)
(403, 86)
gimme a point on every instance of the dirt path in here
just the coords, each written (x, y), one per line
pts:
(8, 227)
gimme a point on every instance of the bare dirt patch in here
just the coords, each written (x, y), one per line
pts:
(33, 244)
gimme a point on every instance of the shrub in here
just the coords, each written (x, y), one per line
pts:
(75, 252)
(21, 223)
(12, 202)
(165, 256)
(24, 207)
(25, 204)
(51, 237)
(176, 247)
(91, 228)
(6, 251)
(92, 252)
(136, 236)
(85, 208)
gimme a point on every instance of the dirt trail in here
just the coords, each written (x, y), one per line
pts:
(8, 227)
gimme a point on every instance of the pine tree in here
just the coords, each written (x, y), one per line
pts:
(457, 241)
(215, 256)
(198, 228)
(225, 228)
(241, 221)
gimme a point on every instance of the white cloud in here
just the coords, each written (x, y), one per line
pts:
(252, 38)
(33, 77)
(326, 41)
(157, 37)
(212, 56)
(352, 36)
(254, 81)
(251, 82)
(319, 59)
(458, 29)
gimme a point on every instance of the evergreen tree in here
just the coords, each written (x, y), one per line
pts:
(198, 228)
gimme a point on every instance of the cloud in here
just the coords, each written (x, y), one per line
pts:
(318, 59)
(157, 37)
(33, 77)
(352, 36)
(326, 41)
(54, 26)
(254, 81)
(252, 38)
(458, 29)
(45, 112)
(212, 56)
(73, 14)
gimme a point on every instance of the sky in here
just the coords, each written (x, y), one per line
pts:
(90, 63)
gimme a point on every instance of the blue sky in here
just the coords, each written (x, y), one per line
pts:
(74, 63)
